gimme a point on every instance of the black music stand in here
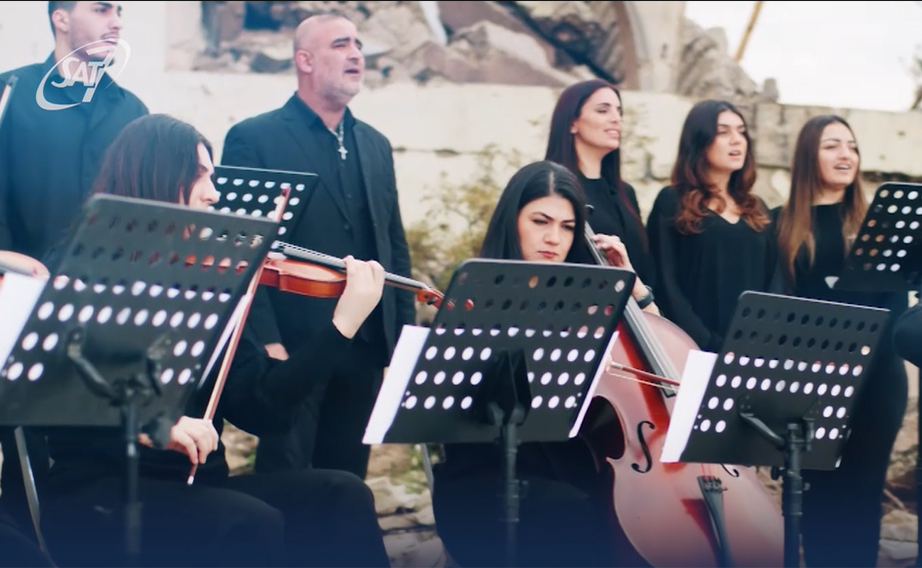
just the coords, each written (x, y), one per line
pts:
(121, 339)
(255, 192)
(781, 392)
(886, 255)
(538, 333)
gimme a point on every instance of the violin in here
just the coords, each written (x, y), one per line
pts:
(310, 273)
(669, 514)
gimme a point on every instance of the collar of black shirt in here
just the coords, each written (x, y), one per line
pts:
(313, 119)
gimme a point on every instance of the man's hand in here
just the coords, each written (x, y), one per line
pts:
(195, 437)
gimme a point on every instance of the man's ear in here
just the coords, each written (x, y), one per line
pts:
(61, 20)
(304, 61)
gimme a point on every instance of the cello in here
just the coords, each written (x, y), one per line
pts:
(678, 514)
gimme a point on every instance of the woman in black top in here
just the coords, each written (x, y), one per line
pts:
(825, 208)
(708, 232)
(585, 137)
(563, 516)
(311, 517)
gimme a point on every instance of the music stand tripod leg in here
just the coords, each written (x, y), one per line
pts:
(793, 444)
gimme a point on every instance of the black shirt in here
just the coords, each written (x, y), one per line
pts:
(49, 159)
(616, 212)
(700, 276)
(810, 281)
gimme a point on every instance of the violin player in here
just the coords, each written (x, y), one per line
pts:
(309, 517)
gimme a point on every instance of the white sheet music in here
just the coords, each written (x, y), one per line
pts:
(603, 367)
(17, 298)
(225, 336)
(409, 346)
(694, 383)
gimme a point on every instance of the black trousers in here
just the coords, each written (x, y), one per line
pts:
(295, 518)
(559, 524)
(842, 508)
(330, 425)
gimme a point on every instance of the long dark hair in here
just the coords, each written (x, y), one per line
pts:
(690, 172)
(154, 157)
(561, 146)
(534, 181)
(795, 219)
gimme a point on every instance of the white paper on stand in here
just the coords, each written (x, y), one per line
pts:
(693, 385)
(409, 346)
(18, 296)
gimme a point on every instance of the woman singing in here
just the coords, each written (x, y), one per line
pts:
(708, 232)
(824, 210)
(585, 137)
(300, 518)
(563, 522)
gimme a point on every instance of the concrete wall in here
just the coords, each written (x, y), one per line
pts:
(438, 130)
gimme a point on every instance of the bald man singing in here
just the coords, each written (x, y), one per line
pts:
(352, 210)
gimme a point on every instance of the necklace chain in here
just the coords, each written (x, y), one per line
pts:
(340, 135)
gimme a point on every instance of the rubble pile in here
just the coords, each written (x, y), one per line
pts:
(536, 43)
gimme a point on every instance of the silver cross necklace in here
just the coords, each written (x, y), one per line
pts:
(339, 138)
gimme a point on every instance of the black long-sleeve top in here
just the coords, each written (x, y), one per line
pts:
(829, 261)
(615, 211)
(700, 276)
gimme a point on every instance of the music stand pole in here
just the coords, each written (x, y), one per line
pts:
(780, 393)
(793, 444)
(136, 305)
(126, 394)
(513, 355)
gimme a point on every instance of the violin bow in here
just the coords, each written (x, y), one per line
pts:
(234, 339)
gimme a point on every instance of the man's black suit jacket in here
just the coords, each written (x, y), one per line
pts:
(278, 140)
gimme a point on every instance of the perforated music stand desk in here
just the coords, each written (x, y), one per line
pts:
(781, 392)
(886, 255)
(255, 192)
(121, 340)
(513, 355)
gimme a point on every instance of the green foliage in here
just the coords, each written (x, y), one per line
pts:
(457, 218)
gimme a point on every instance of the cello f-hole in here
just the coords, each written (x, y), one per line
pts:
(733, 473)
(644, 447)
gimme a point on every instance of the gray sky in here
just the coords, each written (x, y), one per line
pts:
(843, 54)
